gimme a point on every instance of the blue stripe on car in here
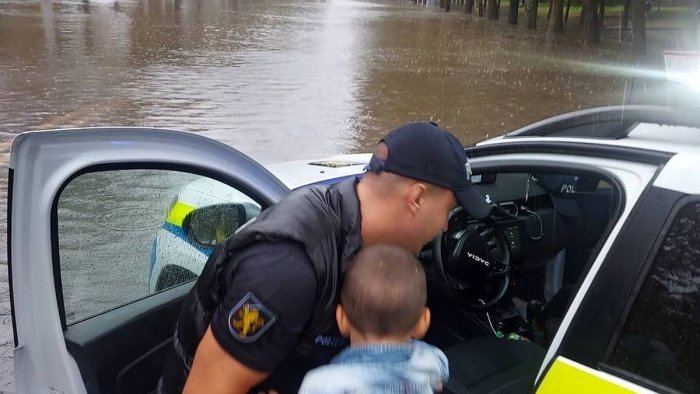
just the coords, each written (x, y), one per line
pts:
(152, 259)
(180, 233)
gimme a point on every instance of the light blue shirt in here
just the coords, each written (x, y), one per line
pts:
(413, 367)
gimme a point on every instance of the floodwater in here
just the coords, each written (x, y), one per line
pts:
(282, 79)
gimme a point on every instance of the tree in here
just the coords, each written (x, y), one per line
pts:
(639, 35)
(493, 10)
(469, 6)
(556, 19)
(480, 7)
(694, 22)
(531, 14)
(625, 19)
(591, 26)
(601, 13)
(624, 24)
(513, 12)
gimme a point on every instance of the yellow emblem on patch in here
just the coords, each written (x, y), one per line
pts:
(249, 319)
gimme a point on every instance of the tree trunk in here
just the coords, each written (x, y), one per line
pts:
(531, 14)
(694, 25)
(469, 7)
(639, 35)
(626, 16)
(448, 5)
(493, 10)
(513, 12)
(549, 10)
(568, 6)
(601, 13)
(556, 20)
(591, 26)
(480, 7)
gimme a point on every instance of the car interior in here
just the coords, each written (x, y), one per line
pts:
(501, 286)
(498, 288)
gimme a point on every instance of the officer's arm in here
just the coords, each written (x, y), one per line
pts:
(215, 371)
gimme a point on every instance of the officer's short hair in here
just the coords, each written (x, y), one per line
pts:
(384, 291)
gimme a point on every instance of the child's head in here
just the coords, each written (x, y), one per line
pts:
(383, 296)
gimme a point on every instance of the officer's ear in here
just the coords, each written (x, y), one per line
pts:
(342, 319)
(415, 196)
(422, 325)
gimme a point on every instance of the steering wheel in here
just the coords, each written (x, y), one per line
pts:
(472, 259)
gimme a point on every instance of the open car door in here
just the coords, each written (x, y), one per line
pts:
(87, 209)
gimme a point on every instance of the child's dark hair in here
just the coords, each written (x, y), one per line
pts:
(384, 291)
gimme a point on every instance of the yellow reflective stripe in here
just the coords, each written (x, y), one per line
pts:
(178, 212)
(568, 377)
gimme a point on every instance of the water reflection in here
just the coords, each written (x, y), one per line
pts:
(475, 78)
(257, 75)
(287, 79)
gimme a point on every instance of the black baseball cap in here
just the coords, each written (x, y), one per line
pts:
(425, 152)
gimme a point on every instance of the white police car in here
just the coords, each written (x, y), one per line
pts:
(592, 253)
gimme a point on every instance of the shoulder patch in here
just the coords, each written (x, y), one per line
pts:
(249, 319)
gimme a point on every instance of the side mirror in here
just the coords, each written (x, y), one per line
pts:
(211, 225)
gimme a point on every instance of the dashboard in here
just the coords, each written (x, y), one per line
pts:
(524, 213)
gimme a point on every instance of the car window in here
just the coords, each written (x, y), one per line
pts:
(125, 234)
(660, 341)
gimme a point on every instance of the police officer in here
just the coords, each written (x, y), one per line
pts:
(262, 313)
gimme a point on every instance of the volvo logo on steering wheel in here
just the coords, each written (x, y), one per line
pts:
(479, 259)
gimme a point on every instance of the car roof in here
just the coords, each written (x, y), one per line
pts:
(650, 128)
(659, 138)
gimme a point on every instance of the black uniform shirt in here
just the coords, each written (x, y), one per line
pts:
(268, 300)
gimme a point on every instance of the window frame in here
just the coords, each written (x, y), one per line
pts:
(55, 252)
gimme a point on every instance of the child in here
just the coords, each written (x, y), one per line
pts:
(382, 308)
